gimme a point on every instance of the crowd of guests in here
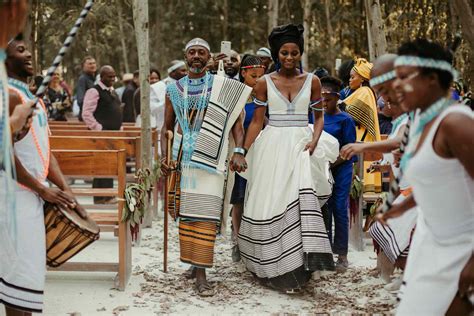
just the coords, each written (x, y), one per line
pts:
(297, 136)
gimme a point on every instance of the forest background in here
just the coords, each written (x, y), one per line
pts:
(334, 29)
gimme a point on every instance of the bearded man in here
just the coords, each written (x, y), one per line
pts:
(206, 108)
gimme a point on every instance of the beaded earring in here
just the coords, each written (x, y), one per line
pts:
(301, 67)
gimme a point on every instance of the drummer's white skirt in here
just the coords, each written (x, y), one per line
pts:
(22, 286)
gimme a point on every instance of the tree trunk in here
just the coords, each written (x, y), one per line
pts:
(122, 37)
(306, 24)
(375, 29)
(272, 14)
(464, 12)
(35, 9)
(330, 52)
(140, 20)
(370, 41)
(225, 20)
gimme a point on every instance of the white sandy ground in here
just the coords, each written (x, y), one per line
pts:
(153, 292)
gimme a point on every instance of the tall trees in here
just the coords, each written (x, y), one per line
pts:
(140, 19)
(466, 18)
(273, 9)
(306, 23)
(334, 28)
(375, 29)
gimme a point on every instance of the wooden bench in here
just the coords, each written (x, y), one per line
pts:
(127, 133)
(77, 122)
(131, 145)
(101, 163)
(88, 133)
(84, 127)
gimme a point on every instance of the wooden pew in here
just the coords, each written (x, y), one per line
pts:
(101, 163)
(76, 122)
(131, 145)
(89, 133)
(84, 127)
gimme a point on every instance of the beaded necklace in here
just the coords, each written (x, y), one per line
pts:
(424, 118)
(396, 122)
(190, 97)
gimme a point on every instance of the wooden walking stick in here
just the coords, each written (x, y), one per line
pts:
(169, 142)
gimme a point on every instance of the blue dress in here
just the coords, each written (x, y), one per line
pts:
(342, 127)
(238, 192)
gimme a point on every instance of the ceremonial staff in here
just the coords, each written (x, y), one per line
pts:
(169, 142)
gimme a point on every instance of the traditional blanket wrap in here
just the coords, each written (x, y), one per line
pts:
(203, 178)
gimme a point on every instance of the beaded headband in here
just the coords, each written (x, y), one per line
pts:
(176, 66)
(416, 61)
(382, 78)
(253, 66)
(197, 42)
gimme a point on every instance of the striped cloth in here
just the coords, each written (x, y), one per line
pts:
(197, 241)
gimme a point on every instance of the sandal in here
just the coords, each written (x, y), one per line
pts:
(204, 289)
(293, 291)
(190, 273)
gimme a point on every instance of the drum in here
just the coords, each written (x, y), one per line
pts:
(66, 234)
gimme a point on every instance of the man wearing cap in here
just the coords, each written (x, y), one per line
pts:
(206, 108)
(127, 98)
(176, 71)
(126, 78)
(266, 57)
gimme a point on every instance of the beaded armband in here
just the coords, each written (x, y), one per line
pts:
(260, 102)
(313, 105)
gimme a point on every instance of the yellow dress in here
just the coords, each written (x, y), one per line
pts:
(362, 106)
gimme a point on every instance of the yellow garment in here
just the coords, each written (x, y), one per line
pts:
(363, 67)
(361, 105)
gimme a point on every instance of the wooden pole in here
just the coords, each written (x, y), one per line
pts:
(375, 29)
(140, 20)
(122, 38)
(306, 24)
(273, 7)
(169, 142)
(356, 235)
(466, 18)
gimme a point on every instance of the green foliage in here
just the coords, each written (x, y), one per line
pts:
(138, 197)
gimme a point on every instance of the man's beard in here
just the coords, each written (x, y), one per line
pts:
(231, 72)
(197, 70)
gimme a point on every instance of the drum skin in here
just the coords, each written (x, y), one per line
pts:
(66, 234)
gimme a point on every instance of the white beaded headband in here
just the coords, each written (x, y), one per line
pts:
(176, 66)
(416, 61)
(382, 78)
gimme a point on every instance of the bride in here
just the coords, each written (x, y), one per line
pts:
(282, 238)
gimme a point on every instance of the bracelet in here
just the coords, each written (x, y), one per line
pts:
(240, 150)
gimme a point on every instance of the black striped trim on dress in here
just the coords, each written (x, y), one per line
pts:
(21, 308)
(385, 238)
(252, 221)
(20, 288)
(320, 256)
